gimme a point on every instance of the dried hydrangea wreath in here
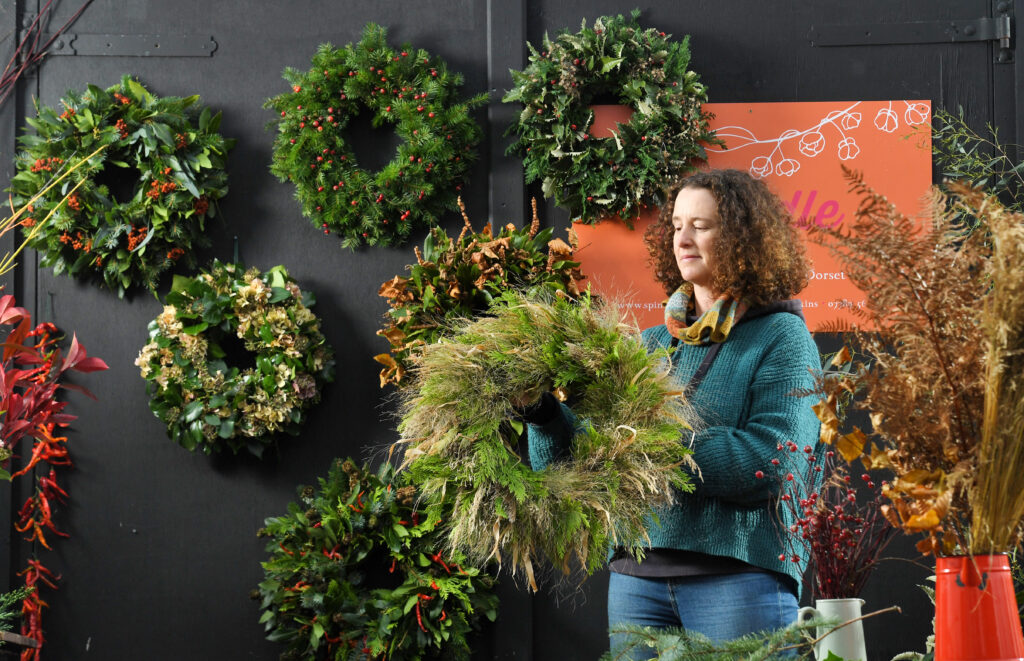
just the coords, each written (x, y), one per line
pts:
(208, 403)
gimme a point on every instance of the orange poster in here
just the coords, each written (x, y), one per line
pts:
(797, 148)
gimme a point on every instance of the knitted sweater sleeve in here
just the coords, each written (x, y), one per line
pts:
(730, 457)
(551, 440)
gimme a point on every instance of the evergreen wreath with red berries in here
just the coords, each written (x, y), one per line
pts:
(357, 571)
(408, 89)
(597, 178)
(141, 204)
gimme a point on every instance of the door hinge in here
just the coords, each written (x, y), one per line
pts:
(134, 45)
(998, 29)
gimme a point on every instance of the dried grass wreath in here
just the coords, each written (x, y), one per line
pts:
(462, 442)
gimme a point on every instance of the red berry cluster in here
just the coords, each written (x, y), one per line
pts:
(844, 534)
(46, 164)
(312, 152)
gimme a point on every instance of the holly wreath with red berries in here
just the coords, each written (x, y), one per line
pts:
(409, 90)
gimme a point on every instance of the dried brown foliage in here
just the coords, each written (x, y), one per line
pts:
(924, 384)
(458, 278)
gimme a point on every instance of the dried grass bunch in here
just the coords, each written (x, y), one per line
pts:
(463, 447)
(997, 493)
(944, 379)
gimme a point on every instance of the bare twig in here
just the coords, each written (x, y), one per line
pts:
(28, 52)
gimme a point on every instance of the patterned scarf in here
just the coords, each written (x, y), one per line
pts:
(712, 326)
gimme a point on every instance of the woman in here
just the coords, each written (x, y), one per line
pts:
(727, 253)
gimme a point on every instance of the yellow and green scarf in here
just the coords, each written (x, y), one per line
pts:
(712, 326)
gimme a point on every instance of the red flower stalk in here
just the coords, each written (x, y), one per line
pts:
(31, 368)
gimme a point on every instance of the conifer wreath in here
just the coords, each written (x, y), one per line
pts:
(206, 401)
(143, 201)
(408, 89)
(595, 176)
(356, 572)
(462, 441)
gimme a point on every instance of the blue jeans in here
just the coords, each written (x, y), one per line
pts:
(721, 607)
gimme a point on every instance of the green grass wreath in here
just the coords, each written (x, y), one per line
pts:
(356, 572)
(456, 278)
(412, 91)
(143, 201)
(594, 176)
(212, 326)
(462, 442)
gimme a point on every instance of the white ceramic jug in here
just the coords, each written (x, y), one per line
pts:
(848, 642)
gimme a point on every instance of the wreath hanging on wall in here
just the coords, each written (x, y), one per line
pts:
(462, 441)
(214, 321)
(144, 201)
(412, 91)
(460, 278)
(592, 177)
(356, 571)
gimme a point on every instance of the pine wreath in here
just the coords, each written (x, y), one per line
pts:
(460, 278)
(207, 402)
(462, 443)
(143, 201)
(356, 572)
(408, 89)
(597, 178)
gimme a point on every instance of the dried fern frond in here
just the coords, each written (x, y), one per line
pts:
(925, 385)
(461, 445)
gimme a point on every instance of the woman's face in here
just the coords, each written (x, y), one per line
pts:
(696, 222)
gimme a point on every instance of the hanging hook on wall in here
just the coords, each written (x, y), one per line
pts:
(236, 249)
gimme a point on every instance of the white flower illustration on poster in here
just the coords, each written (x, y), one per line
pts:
(832, 132)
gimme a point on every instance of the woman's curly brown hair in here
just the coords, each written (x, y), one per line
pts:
(758, 253)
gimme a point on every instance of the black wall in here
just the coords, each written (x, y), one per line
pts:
(163, 552)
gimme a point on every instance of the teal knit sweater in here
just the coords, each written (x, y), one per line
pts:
(746, 409)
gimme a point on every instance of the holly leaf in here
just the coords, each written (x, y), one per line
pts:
(609, 63)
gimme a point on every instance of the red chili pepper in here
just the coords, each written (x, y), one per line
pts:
(281, 545)
(443, 616)
(437, 558)
(393, 561)
(359, 502)
(419, 618)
